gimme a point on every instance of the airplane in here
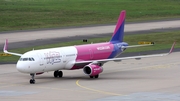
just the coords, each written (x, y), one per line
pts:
(89, 57)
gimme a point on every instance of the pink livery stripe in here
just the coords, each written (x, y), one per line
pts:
(93, 52)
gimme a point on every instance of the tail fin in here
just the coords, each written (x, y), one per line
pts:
(119, 30)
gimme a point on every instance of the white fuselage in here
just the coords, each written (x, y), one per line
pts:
(47, 60)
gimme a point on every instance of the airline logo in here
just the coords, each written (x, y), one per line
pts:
(52, 57)
(103, 48)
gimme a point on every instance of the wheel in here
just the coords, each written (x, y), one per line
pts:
(55, 74)
(96, 76)
(60, 74)
(32, 81)
(91, 76)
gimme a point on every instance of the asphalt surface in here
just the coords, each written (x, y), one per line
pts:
(149, 79)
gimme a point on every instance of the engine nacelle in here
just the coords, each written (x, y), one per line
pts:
(92, 69)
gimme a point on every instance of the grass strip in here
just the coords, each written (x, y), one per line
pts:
(35, 14)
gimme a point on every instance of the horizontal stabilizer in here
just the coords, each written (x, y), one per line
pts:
(133, 46)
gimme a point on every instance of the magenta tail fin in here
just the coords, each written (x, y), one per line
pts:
(119, 30)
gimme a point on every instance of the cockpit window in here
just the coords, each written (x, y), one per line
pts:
(30, 59)
(33, 59)
(20, 59)
(27, 59)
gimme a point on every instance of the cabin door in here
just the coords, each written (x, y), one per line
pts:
(41, 62)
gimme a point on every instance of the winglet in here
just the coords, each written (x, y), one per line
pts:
(172, 48)
(6, 51)
(5, 46)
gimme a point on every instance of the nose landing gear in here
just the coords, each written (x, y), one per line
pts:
(32, 80)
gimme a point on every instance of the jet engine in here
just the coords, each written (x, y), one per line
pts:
(92, 69)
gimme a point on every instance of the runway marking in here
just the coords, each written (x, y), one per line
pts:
(4, 85)
(40, 87)
(110, 93)
(98, 91)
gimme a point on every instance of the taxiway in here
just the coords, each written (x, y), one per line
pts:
(149, 79)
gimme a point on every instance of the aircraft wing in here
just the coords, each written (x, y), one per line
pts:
(126, 58)
(6, 51)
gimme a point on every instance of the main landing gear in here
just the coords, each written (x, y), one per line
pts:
(96, 76)
(32, 80)
(58, 74)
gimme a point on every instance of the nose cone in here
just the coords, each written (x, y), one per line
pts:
(20, 67)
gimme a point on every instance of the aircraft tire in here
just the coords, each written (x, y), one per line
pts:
(32, 81)
(91, 77)
(56, 74)
(96, 76)
(60, 74)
